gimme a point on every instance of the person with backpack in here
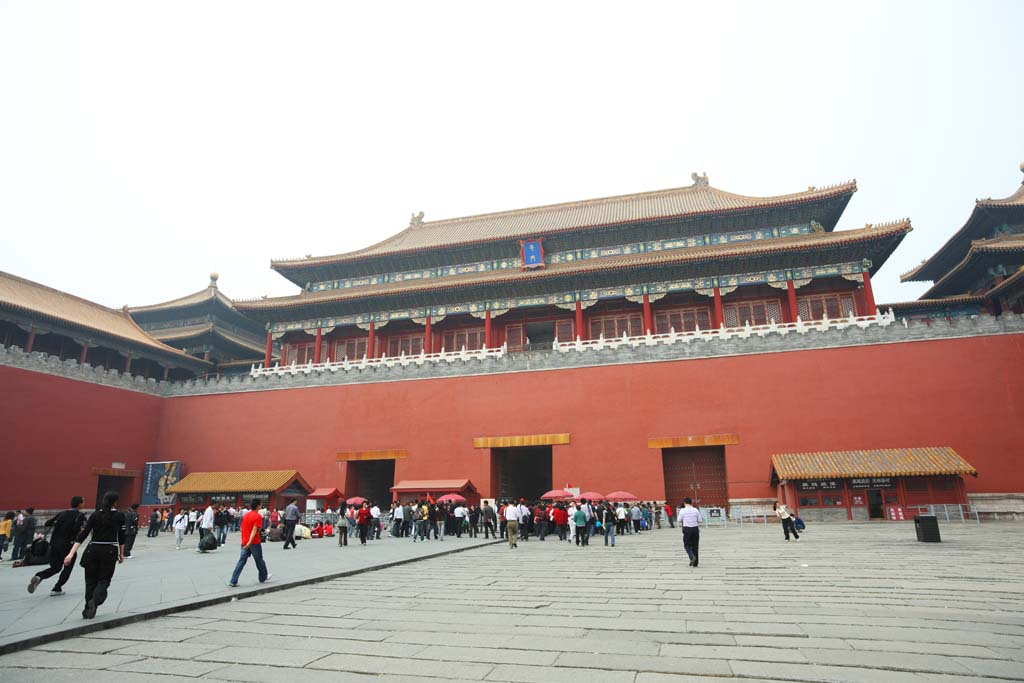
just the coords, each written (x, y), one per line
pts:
(105, 551)
(606, 520)
(66, 527)
(131, 530)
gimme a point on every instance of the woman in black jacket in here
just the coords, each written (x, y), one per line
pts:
(104, 552)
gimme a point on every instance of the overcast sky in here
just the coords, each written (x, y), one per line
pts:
(143, 145)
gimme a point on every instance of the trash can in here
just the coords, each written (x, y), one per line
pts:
(927, 528)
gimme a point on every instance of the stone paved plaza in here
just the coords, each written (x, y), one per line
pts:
(850, 603)
(159, 577)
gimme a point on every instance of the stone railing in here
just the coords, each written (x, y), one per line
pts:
(724, 333)
(364, 363)
(676, 346)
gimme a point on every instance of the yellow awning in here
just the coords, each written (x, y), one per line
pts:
(694, 440)
(387, 454)
(887, 462)
(519, 441)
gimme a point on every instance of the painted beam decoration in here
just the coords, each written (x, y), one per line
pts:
(539, 260)
(586, 297)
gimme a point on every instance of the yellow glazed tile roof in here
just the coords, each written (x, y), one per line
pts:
(697, 199)
(234, 482)
(888, 462)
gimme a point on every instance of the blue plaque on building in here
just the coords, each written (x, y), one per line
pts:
(532, 253)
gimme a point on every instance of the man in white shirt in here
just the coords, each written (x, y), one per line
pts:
(205, 526)
(786, 517)
(375, 523)
(460, 515)
(689, 519)
(512, 514)
(398, 517)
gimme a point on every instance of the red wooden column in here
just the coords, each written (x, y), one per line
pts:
(128, 363)
(719, 316)
(581, 333)
(31, 340)
(487, 329)
(269, 351)
(869, 296)
(84, 354)
(648, 320)
(427, 340)
(167, 371)
(206, 356)
(794, 310)
(370, 339)
(318, 345)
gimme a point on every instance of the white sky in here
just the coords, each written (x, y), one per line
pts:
(143, 145)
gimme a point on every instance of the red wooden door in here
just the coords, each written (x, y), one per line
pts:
(697, 473)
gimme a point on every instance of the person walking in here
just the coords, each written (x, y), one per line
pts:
(512, 524)
(193, 517)
(154, 524)
(579, 519)
(460, 515)
(252, 546)
(131, 529)
(374, 522)
(689, 520)
(560, 518)
(180, 524)
(489, 517)
(24, 532)
(363, 521)
(291, 518)
(221, 519)
(637, 517)
(104, 552)
(786, 517)
(669, 516)
(66, 527)
(474, 521)
(5, 532)
(606, 517)
(397, 519)
(620, 519)
(341, 528)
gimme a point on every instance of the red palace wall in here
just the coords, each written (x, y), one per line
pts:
(53, 431)
(965, 393)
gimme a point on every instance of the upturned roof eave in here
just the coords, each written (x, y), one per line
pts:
(842, 192)
(895, 230)
(976, 251)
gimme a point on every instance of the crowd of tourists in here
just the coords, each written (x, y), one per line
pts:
(111, 532)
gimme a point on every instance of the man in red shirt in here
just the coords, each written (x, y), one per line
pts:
(252, 524)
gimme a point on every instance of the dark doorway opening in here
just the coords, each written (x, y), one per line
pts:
(875, 508)
(521, 472)
(540, 335)
(123, 486)
(371, 479)
(697, 473)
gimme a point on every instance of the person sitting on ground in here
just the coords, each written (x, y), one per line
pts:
(317, 531)
(328, 530)
(276, 534)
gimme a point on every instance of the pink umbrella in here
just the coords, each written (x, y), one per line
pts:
(590, 495)
(356, 500)
(451, 498)
(620, 497)
(556, 494)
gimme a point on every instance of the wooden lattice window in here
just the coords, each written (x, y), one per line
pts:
(514, 337)
(564, 331)
(615, 325)
(814, 307)
(351, 349)
(408, 344)
(754, 312)
(300, 354)
(682, 320)
(470, 338)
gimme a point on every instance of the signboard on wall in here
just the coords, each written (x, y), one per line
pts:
(157, 477)
(819, 485)
(873, 483)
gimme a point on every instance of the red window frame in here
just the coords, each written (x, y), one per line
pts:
(472, 338)
(612, 325)
(409, 344)
(756, 312)
(682, 319)
(814, 306)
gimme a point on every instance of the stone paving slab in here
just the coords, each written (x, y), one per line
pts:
(550, 612)
(160, 578)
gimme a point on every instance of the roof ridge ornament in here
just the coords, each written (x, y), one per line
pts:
(416, 220)
(213, 279)
(700, 180)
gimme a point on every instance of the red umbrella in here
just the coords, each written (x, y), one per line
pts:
(356, 500)
(556, 494)
(620, 497)
(590, 495)
(452, 498)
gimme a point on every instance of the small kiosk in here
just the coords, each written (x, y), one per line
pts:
(423, 489)
(275, 488)
(884, 484)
